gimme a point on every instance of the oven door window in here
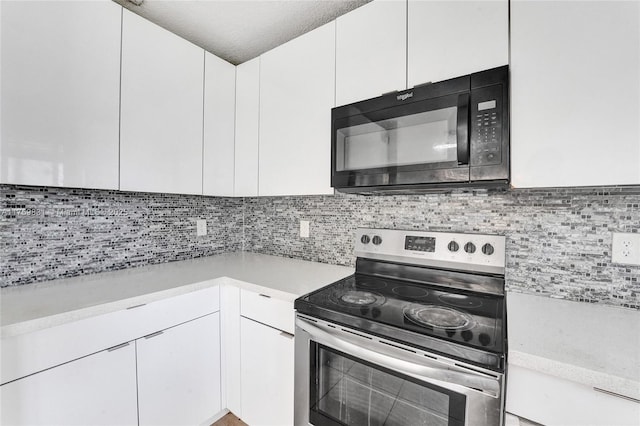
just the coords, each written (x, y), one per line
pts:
(348, 391)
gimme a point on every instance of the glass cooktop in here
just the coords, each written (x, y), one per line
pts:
(465, 318)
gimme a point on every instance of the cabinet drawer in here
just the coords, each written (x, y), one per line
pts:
(166, 313)
(29, 353)
(267, 310)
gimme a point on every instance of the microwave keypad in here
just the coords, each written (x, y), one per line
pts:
(486, 133)
(489, 128)
(487, 146)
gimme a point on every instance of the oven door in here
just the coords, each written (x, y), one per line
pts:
(344, 377)
(419, 142)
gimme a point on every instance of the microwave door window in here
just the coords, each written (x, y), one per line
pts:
(424, 138)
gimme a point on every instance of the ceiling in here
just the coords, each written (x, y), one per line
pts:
(239, 30)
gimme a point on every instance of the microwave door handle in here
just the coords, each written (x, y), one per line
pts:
(425, 370)
(462, 129)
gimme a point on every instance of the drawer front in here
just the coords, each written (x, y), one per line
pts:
(267, 310)
(29, 353)
(161, 314)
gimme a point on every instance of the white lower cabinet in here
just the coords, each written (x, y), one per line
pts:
(267, 374)
(163, 367)
(99, 389)
(186, 359)
(554, 401)
(179, 373)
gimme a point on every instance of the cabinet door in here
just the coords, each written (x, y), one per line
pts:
(179, 373)
(247, 122)
(371, 51)
(452, 38)
(60, 93)
(575, 93)
(267, 375)
(99, 389)
(219, 126)
(297, 84)
(161, 120)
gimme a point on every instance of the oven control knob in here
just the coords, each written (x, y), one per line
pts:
(365, 239)
(488, 249)
(470, 247)
(377, 240)
(453, 246)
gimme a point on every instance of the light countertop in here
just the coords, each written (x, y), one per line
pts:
(596, 345)
(33, 307)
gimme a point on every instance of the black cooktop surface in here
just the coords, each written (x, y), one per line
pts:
(463, 317)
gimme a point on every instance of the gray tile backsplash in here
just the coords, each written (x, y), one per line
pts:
(558, 240)
(49, 233)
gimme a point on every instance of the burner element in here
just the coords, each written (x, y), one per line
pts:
(460, 300)
(439, 317)
(373, 284)
(410, 291)
(356, 298)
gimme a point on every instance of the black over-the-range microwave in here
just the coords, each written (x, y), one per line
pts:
(434, 136)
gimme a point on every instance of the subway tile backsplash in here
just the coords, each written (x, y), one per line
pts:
(558, 240)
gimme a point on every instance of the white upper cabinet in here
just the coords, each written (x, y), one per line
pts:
(162, 118)
(247, 124)
(452, 38)
(297, 83)
(60, 93)
(371, 44)
(219, 126)
(575, 84)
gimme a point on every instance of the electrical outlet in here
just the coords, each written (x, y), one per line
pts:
(304, 228)
(625, 248)
(201, 227)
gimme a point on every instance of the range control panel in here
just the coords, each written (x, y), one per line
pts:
(425, 244)
(467, 252)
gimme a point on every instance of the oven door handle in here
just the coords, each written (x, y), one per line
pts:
(421, 369)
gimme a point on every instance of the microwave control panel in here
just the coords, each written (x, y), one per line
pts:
(486, 126)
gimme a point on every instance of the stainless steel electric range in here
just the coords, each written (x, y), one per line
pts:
(417, 336)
